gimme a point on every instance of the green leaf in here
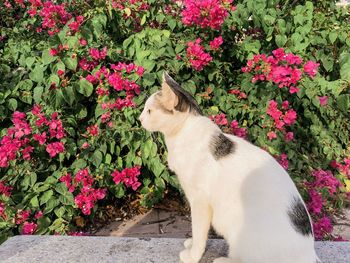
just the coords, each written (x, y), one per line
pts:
(45, 197)
(79, 164)
(333, 36)
(37, 74)
(71, 63)
(97, 158)
(281, 40)
(37, 93)
(30, 61)
(12, 104)
(159, 182)
(47, 58)
(51, 204)
(85, 88)
(61, 188)
(60, 211)
(343, 102)
(69, 95)
(34, 202)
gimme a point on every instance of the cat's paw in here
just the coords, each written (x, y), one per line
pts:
(186, 257)
(188, 243)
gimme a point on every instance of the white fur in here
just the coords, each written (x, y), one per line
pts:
(245, 196)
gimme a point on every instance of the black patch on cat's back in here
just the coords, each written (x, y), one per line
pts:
(221, 146)
(299, 217)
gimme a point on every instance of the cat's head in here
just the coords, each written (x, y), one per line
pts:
(168, 108)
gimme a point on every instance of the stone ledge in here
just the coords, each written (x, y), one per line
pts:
(62, 249)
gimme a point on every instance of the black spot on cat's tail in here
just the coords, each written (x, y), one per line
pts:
(299, 217)
(221, 146)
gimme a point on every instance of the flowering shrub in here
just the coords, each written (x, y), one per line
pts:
(75, 75)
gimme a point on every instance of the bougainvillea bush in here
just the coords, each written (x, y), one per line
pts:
(75, 76)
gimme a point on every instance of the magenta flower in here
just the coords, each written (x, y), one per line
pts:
(315, 203)
(310, 68)
(283, 160)
(4, 189)
(290, 117)
(323, 100)
(240, 132)
(271, 135)
(29, 228)
(322, 227)
(289, 136)
(216, 43)
(2, 209)
(129, 176)
(219, 119)
(205, 13)
(22, 216)
(55, 148)
(38, 215)
(41, 138)
(196, 55)
(83, 42)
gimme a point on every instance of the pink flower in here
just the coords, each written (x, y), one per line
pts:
(41, 138)
(196, 55)
(98, 55)
(93, 130)
(85, 145)
(289, 136)
(216, 43)
(129, 176)
(271, 135)
(273, 111)
(205, 13)
(323, 100)
(293, 90)
(315, 203)
(283, 160)
(4, 189)
(325, 180)
(2, 209)
(290, 117)
(22, 216)
(310, 68)
(60, 72)
(38, 215)
(240, 132)
(322, 227)
(29, 228)
(53, 52)
(55, 148)
(26, 152)
(219, 119)
(83, 42)
(140, 71)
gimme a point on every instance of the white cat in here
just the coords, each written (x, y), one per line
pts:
(237, 187)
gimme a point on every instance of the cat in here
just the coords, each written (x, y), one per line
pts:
(236, 187)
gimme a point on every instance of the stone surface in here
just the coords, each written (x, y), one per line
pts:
(62, 249)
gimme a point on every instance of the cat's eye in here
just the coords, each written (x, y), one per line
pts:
(149, 111)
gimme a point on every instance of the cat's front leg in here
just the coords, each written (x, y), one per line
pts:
(201, 214)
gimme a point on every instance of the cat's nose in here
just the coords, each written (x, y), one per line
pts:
(141, 118)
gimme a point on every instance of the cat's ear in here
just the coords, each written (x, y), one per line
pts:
(168, 94)
(175, 97)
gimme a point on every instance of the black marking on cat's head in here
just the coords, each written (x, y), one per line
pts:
(185, 101)
(299, 217)
(221, 146)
